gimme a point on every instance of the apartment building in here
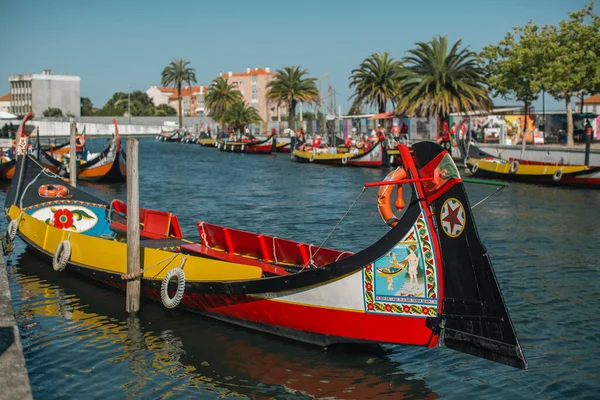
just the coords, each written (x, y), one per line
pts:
(38, 92)
(192, 98)
(252, 83)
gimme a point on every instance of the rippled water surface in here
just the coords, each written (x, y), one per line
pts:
(544, 243)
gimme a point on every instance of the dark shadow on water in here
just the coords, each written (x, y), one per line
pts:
(228, 357)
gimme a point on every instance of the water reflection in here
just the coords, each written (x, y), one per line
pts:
(163, 354)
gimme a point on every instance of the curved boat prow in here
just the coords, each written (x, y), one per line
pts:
(473, 317)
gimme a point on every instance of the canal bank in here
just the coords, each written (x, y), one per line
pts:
(13, 373)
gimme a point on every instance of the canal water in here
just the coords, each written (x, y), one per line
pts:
(544, 243)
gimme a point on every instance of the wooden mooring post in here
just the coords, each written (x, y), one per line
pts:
(133, 228)
(73, 156)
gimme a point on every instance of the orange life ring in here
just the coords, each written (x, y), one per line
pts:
(384, 198)
(54, 191)
(79, 141)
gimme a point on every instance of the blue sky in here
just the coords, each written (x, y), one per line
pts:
(124, 45)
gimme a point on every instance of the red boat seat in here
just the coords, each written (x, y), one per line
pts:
(157, 223)
(212, 236)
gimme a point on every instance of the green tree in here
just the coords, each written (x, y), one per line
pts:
(53, 112)
(164, 110)
(240, 115)
(289, 86)
(356, 108)
(138, 102)
(175, 75)
(572, 59)
(221, 95)
(436, 80)
(87, 107)
(513, 66)
(375, 81)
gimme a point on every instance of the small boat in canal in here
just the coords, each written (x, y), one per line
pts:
(249, 146)
(427, 281)
(535, 172)
(169, 136)
(375, 157)
(205, 139)
(109, 165)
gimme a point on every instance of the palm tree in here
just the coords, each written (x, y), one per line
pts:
(219, 97)
(175, 75)
(240, 115)
(289, 86)
(437, 82)
(375, 81)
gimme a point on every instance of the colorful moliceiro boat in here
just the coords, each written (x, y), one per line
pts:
(427, 281)
(266, 146)
(535, 172)
(376, 157)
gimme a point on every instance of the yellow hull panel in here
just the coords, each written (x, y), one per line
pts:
(111, 256)
(524, 169)
(322, 156)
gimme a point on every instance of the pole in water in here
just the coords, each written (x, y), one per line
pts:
(133, 227)
(73, 155)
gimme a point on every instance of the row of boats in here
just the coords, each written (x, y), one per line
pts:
(108, 165)
(428, 281)
(385, 154)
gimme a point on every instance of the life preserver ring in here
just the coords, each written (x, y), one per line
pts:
(312, 157)
(61, 256)
(344, 159)
(172, 302)
(13, 227)
(53, 191)
(475, 167)
(514, 167)
(557, 175)
(79, 141)
(384, 198)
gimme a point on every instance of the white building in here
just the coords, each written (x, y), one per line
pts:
(5, 103)
(159, 95)
(38, 92)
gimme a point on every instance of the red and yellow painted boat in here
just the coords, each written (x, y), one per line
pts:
(267, 146)
(448, 291)
(376, 157)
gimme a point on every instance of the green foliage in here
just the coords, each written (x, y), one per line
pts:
(239, 115)
(53, 112)
(221, 95)
(375, 81)
(289, 86)
(356, 108)
(513, 66)
(175, 75)
(436, 81)
(572, 58)
(87, 107)
(165, 110)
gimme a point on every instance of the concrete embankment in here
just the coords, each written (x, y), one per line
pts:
(14, 381)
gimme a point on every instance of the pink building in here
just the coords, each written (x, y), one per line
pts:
(253, 86)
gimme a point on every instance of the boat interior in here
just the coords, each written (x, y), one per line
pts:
(275, 256)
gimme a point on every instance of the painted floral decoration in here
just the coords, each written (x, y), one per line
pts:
(63, 219)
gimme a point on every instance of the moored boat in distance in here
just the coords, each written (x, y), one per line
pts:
(428, 280)
(376, 157)
(250, 146)
(535, 172)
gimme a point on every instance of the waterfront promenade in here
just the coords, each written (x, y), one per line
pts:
(14, 380)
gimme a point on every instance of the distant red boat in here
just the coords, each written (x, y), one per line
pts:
(266, 146)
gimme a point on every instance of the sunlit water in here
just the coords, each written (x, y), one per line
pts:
(544, 243)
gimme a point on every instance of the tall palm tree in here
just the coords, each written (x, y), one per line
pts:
(221, 95)
(289, 86)
(175, 75)
(375, 81)
(436, 81)
(240, 115)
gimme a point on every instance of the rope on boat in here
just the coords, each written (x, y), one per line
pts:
(488, 196)
(135, 275)
(275, 251)
(13, 227)
(203, 235)
(336, 225)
